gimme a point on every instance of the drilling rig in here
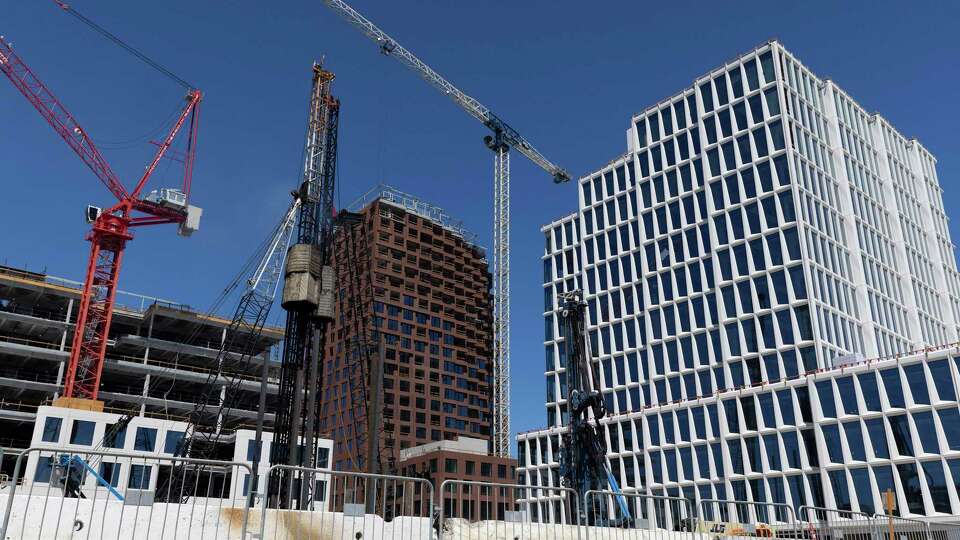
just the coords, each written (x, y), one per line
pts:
(309, 301)
(583, 452)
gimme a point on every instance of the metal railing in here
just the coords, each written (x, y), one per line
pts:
(321, 503)
(613, 515)
(57, 493)
(475, 509)
(724, 517)
(61, 493)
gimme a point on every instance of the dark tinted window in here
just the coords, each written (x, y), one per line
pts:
(878, 438)
(82, 432)
(51, 430)
(900, 428)
(841, 493)
(871, 394)
(892, 386)
(918, 383)
(927, 430)
(848, 396)
(854, 437)
(827, 405)
(942, 379)
(910, 481)
(831, 436)
(937, 484)
(950, 419)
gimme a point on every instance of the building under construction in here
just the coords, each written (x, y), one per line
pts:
(159, 357)
(422, 283)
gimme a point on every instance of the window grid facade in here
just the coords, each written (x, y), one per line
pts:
(761, 227)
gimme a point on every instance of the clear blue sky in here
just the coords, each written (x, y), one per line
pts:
(565, 76)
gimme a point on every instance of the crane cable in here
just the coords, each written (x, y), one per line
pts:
(143, 57)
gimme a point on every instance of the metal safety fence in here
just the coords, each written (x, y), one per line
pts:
(326, 504)
(500, 511)
(724, 517)
(626, 516)
(834, 524)
(58, 493)
(62, 493)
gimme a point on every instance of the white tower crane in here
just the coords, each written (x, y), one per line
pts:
(503, 139)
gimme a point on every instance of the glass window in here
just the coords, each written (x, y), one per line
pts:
(146, 439)
(871, 394)
(786, 407)
(943, 380)
(918, 383)
(884, 477)
(937, 484)
(753, 454)
(900, 428)
(115, 436)
(848, 396)
(766, 408)
(855, 440)
(703, 461)
(139, 476)
(841, 493)
(736, 455)
(803, 399)
(831, 436)
(749, 412)
(111, 473)
(910, 481)
(878, 438)
(861, 485)
(950, 420)
(172, 442)
(892, 386)
(791, 445)
(51, 429)
(44, 468)
(927, 430)
(827, 405)
(766, 62)
(82, 432)
(810, 444)
(954, 465)
(772, 447)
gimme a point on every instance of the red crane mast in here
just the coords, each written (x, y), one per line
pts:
(112, 227)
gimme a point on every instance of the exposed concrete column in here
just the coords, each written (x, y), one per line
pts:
(223, 386)
(63, 346)
(146, 356)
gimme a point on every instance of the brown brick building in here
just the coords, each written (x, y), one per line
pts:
(415, 287)
(468, 460)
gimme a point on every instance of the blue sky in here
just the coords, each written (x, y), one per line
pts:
(566, 77)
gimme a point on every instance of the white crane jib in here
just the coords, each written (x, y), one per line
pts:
(504, 137)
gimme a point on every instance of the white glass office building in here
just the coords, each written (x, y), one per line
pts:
(761, 243)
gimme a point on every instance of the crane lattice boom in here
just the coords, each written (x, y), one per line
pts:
(473, 107)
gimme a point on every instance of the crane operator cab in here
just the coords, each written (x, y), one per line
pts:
(175, 199)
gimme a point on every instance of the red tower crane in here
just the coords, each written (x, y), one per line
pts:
(112, 227)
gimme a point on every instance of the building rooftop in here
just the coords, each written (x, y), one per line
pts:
(393, 196)
(464, 445)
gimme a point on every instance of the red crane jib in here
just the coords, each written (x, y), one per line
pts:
(111, 230)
